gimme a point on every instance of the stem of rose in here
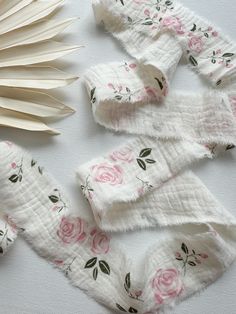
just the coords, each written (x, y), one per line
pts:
(4, 236)
(186, 260)
(20, 167)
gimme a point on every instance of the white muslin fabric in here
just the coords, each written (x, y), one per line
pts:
(138, 25)
(197, 247)
(145, 183)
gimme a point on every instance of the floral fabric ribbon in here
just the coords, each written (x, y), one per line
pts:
(138, 24)
(145, 182)
(197, 249)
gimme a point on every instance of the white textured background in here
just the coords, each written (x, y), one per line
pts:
(28, 284)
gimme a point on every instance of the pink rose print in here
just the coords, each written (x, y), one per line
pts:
(18, 175)
(174, 23)
(151, 94)
(121, 93)
(203, 255)
(11, 223)
(132, 66)
(66, 267)
(125, 154)
(215, 34)
(100, 242)
(107, 173)
(189, 257)
(222, 58)
(72, 230)
(13, 165)
(58, 262)
(128, 67)
(167, 284)
(147, 12)
(195, 44)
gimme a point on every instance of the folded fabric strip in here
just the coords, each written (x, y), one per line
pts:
(146, 80)
(144, 183)
(138, 24)
(198, 251)
(208, 117)
(120, 184)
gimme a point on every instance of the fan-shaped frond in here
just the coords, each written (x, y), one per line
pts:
(26, 32)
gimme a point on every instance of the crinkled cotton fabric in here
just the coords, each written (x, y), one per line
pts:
(197, 248)
(145, 183)
(138, 25)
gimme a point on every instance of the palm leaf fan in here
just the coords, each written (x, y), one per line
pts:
(27, 30)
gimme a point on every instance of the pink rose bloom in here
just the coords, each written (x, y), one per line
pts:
(11, 223)
(165, 90)
(178, 255)
(13, 165)
(58, 262)
(195, 44)
(174, 23)
(125, 154)
(203, 255)
(100, 242)
(138, 293)
(151, 92)
(132, 66)
(147, 12)
(110, 85)
(72, 230)
(108, 173)
(167, 284)
(214, 34)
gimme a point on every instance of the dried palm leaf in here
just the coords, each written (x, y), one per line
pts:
(26, 32)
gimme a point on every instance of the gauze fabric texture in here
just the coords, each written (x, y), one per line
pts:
(197, 248)
(138, 25)
(144, 183)
(176, 129)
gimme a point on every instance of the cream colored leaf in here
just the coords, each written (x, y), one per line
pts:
(32, 102)
(9, 7)
(35, 77)
(36, 32)
(29, 14)
(36, 53)
(18, 120)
